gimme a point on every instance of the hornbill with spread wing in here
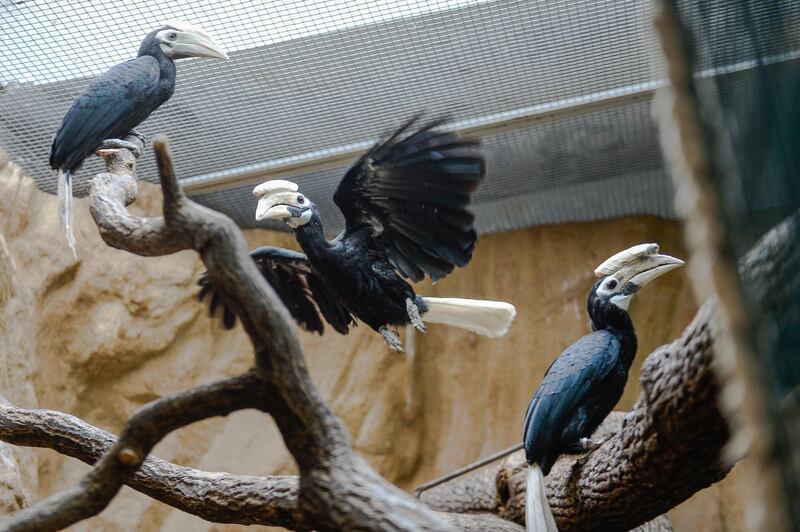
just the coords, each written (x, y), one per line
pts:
(119, 100)
(405, 204)
(584, 383)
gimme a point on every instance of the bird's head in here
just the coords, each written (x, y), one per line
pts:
(280, 200)
(623, 274)
(180, 40)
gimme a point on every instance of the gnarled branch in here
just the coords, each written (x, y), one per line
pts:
(337, 489)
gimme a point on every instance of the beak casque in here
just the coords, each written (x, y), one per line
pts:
(638, 265)
(193, 41)
(274, 199)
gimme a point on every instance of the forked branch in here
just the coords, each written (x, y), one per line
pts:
(338, 490)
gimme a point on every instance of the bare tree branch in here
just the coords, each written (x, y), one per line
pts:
(146, 428)
(217, 497)
(337, 489)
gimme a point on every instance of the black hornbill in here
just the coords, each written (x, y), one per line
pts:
(584, 383)
(121, 99)
(405, 204)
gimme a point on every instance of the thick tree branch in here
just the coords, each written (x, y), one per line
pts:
(337, 489)
(111, 192)
(217, 497)
(146, 428)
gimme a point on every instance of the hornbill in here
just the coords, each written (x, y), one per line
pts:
(584, 383)
(405, 204)
(119, 100)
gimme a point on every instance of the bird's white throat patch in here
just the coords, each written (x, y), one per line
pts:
(622, 301)
(303, 219)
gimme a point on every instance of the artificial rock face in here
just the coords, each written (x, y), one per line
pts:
(100, 335)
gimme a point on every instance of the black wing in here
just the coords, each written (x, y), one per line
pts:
(292, 278)
(566, 385)
(111, 105)
(414, 190)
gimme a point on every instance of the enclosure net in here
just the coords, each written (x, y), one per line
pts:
(558, 91)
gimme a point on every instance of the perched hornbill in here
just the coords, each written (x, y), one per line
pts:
(584, 383)
(405, 204)
(121, 99)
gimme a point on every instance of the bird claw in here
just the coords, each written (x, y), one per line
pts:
(588, 444)
(140, 136)
(413, 316)
(119, 144)
(584, 445)
(391, 338)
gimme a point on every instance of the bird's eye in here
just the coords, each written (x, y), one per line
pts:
(611, 284)
(172, 36)
(301, 200)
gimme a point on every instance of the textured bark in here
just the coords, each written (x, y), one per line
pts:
(218, 497)
(337, 489)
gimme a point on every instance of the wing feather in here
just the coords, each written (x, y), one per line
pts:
(565, 386)
(414, 191)
(300, 289)
(111, 105)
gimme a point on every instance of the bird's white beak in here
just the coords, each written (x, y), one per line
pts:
(280, 200)
(638, 265)
(655, 266)
(192, 43)
(275, 206)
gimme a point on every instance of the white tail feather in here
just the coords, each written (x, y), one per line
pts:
(489, 318)
(538, 517)
(65, 206)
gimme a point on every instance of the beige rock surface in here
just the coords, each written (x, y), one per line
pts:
(101, 335)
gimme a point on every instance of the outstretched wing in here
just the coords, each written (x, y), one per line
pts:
(113, 104)
(566, 385)
(413, 191)
(300, 289)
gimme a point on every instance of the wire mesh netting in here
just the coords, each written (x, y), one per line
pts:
(306, 79)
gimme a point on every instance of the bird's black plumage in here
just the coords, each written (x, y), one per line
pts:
(114, 104)
(405, 204)
(300, 289)
(413, 192)
(582, 385)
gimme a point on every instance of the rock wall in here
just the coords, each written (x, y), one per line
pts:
(100, 335)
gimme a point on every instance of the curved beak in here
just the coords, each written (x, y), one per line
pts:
(277, 206)
(651, 267)
(638, 266)
(191, 43)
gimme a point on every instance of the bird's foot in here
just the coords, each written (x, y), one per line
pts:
(140, 136)
(589, 444)
(413, 315)
(584, 445)
(119, 144)
(391, 338)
